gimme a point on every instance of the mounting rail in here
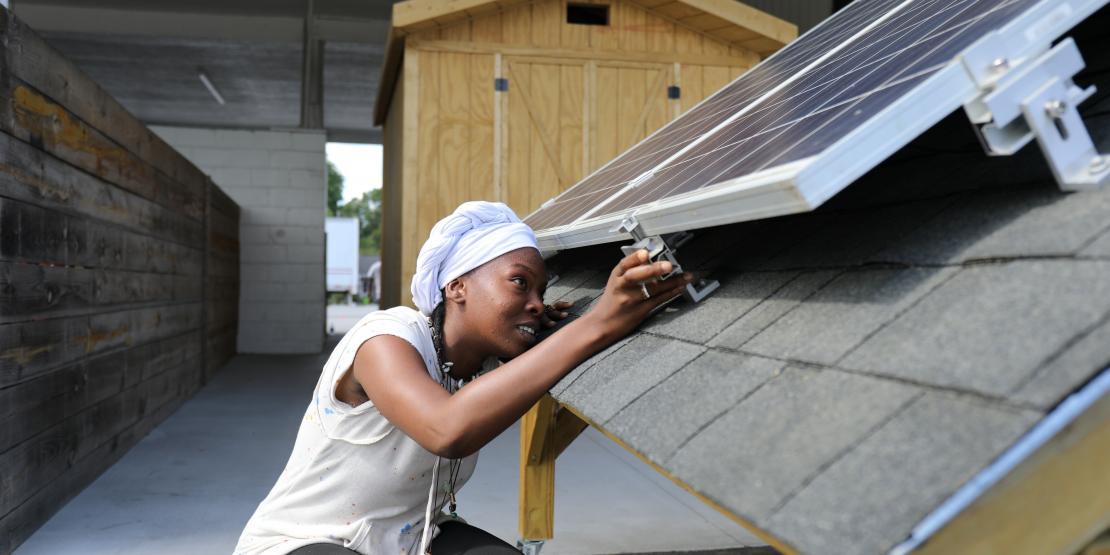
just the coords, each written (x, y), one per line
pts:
(660, 248)
(1035, 98)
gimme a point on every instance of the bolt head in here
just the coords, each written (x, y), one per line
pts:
(1055, 108)
(999, 64)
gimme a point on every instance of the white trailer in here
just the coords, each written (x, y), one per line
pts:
(342, 255)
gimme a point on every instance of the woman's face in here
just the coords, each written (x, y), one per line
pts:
(504, 302)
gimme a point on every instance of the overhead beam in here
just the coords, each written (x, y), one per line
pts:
(113, 22)
(312, 72)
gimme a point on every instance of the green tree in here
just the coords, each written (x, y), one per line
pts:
(367, 209)
(335, 189)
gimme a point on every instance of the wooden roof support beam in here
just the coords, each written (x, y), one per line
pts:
(546, 430)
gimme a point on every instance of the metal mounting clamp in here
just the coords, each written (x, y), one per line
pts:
(1036, 99)
(664, 248)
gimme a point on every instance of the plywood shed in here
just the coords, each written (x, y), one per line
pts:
(119, 280)
(516, 101)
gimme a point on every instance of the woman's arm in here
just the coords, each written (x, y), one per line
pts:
(394, 376)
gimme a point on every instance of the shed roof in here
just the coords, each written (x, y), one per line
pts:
(729, 21)
(862, 362)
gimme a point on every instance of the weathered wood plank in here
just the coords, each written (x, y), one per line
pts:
(50, 454)
(19, 524)
(32, 176)
(34, 62)
(33, 406)
(30, 349)
(49, 126)
(35, 291)
(34, 235)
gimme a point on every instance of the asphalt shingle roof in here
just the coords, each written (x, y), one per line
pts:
(861, 362)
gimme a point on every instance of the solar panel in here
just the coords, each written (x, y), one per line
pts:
(801, 125)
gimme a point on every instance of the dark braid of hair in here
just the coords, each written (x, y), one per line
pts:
(439, 313)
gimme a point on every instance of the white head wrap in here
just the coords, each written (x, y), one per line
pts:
(474, 234)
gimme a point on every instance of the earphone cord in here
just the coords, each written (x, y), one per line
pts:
(453, 470)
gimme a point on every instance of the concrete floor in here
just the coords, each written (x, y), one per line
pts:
(190, 486)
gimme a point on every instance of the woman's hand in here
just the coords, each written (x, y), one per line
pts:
(633, 291)
(553, 313)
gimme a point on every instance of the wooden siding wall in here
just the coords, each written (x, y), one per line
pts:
(577, 97)
(392, 199)
(118, 280)
(632, 30)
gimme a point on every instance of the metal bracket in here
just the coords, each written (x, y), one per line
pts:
(529, 547)
(663, 248)
(1037, 99)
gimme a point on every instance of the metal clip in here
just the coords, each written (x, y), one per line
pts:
(663, 248)
(1037, 99)
(529, 547)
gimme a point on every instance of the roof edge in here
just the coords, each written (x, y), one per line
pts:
(415, 15)
(748, 17)
(394, 52)
(1045, 486)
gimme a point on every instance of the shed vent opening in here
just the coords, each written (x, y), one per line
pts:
(588, 14)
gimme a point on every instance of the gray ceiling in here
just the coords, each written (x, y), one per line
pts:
(148, 54)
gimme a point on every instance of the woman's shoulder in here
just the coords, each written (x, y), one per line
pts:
(399, 320)
(402, 314)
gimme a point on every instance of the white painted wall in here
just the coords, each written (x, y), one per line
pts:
(279, 179)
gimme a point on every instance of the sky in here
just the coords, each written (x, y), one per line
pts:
(360, 165)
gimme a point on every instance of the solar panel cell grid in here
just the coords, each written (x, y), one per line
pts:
(780, 115)
(798, 126)
(708, 114)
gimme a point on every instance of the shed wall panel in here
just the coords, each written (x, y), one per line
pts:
(577, 96)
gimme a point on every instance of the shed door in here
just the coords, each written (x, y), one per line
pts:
(564, 118)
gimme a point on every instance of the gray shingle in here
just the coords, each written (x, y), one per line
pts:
(586, 294)
(1029, 222)
(562, 385)
(853, 237)
(695, 395)
(618, 379)
(563, 288)
(1099, 247)
(1073, 366)
(773, 307)
(736, 296)
(990, 326)
(871, 498)
(764, 448)
(844, 312)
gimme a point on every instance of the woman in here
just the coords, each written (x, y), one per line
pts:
(390, 437)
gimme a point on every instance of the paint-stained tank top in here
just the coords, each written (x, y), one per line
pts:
(353, 479)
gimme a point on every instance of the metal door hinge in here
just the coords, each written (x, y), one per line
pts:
(664, 248)
(1035, 98)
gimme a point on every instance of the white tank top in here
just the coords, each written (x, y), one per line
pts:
(353, 479)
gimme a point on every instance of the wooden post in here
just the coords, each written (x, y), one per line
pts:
(545, 431)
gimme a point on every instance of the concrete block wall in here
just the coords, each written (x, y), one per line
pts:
(279, 180)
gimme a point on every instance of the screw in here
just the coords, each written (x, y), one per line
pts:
(999, 64)
(1098, 164)
(1055, 108)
